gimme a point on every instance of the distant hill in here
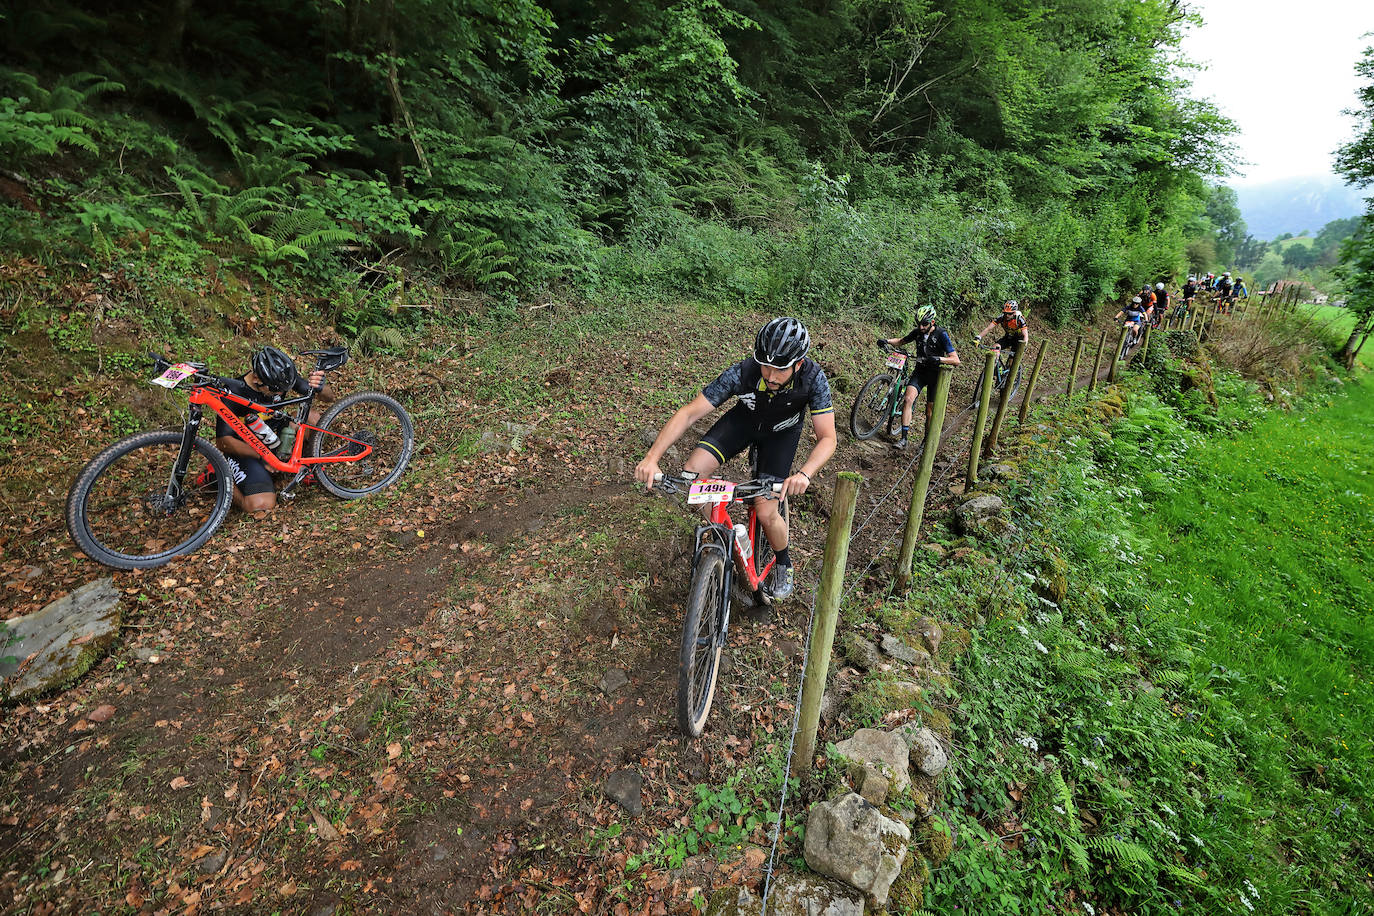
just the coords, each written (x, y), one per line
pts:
(1294, 204)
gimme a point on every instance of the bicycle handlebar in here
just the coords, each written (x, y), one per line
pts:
(765, 488)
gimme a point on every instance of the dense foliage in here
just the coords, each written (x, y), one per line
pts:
(860, 153)
(1355, 161)
(1178, 726)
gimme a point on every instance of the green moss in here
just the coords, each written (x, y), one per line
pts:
(936, 843)
(937, 722)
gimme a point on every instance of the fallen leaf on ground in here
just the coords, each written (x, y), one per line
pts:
(181, 782)
(101, 713)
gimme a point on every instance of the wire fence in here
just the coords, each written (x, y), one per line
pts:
(856, 581)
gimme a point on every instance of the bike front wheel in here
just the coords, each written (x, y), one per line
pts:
(366, 418)
(699, 662)
(127, 510)
(873, 407)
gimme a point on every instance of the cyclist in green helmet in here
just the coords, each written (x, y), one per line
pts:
(934, 348)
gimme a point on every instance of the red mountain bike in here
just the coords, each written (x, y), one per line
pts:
(159, 494)
(708, 600)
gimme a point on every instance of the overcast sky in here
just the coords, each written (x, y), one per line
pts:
(1282, 70)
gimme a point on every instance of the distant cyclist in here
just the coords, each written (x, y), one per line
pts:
(1189, 292)
(775, 388)
(1240, 290)
(1013, 324)
(1161, 303)
(1223, 291)
(934, 348)
(1134, 313)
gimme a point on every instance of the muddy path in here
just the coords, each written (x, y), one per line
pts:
(415, 702)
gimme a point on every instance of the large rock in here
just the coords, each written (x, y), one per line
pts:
(790, 894)
(52, 647)
(975, 516)
(625, 788)
(862, 654)
(851, 840)
(926, 752)
(930, 634)
(884, 751)
(899, 650)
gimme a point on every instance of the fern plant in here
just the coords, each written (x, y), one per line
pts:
(41, 121)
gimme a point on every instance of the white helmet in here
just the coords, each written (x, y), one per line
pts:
(1135, 301)
(1159, 286)
(1192, 279)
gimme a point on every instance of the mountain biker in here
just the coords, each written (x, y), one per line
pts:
(934, 348)
(1240, 290)
(1189, 292)
(1161, 302)
(1224, 293)
(775, 388)
(1013, 325)
(1147, 301)
(270, 378)
(1134, 313)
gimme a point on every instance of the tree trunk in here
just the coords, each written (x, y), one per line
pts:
(1358, 335)
(173, 30)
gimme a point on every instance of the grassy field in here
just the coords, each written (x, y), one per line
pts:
(1168, 708)
(1338, 323)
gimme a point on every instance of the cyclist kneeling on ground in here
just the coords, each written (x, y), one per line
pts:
(774, 388)
(272, 376)
(933, 349)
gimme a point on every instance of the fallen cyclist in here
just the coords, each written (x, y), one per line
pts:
(270, 377)
(774, 389)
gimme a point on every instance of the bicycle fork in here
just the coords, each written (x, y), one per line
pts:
(715, 536)
(176, 486)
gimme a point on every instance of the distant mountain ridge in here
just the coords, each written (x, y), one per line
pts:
(1291, 205)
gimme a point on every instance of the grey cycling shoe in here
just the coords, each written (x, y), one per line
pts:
(782, 582)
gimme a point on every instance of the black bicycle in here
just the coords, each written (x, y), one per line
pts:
(878, 408)
(1132, 341)
(1001, 373)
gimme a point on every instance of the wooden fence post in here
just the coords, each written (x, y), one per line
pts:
(827, 614)
(1073, 366)
(1145, 343)
(1117, 361)
(1030, 385)
(1013, 373)
(1097, 363)
(975, 446)
(929, 448)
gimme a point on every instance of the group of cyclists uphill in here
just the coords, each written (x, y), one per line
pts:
(1151, 306)
(773, 391)
(775, 388)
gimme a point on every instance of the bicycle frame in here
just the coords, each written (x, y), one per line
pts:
(205, 395)
(721, 530)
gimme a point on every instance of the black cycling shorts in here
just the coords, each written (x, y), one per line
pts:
(924, 378)
(251, 476)
(739, 429)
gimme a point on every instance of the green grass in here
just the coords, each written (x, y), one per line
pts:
(1189, 729)
(1338, 323)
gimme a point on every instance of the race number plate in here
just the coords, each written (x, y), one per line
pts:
(710, 491)
(174, 375)
(896, 361)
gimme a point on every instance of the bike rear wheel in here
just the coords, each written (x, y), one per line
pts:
(126, 511)
(366, 417)
(699, 661)
(873, 407)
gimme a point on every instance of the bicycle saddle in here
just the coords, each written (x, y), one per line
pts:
(330, 358)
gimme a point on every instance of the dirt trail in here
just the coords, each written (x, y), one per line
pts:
(412, 719)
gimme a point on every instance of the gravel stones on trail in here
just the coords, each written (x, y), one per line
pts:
(58, 644)
(626, 788)
(884, 751)
(613, 680)
(853, 841)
